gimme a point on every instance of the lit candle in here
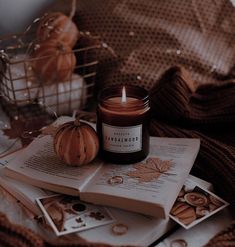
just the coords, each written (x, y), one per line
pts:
(123, 94)
(122, 124)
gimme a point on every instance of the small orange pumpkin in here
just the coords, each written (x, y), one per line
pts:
(53, 61)
(58, 26)
(76, 143)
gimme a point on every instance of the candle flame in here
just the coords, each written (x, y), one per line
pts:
(123, 94)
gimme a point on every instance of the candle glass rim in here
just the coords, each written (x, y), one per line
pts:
(132, 91)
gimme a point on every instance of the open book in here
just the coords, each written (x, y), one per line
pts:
(149, 187)
(144, 230)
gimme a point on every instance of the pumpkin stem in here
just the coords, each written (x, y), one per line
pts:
(77, 122)
(60, 47)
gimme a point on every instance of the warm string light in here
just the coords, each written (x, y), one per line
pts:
(22, 42)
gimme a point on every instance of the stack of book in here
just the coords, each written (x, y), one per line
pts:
(134, 200)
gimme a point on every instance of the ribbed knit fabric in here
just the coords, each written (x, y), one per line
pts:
(224, 238)
(181, 110)
(175, 99)
(17, 236)
(214, 163)
(12, 235)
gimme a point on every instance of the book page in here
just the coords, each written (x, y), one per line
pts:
(25, 193)
(7, 158)
(143, 230)
(156, 180)
(67, 214)
(40, 164)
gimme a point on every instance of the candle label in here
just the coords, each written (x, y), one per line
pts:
(118, 139)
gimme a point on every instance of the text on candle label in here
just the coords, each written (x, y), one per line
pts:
(122, 139)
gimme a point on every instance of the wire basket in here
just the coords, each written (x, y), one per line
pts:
(21, 88)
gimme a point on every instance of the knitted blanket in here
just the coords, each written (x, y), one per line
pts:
(12, 235)
(17, 236)
(181, 110)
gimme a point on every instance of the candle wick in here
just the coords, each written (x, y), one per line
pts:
(123, 94)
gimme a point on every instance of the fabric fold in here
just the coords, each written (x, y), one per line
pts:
(176, 98)
(181, 110)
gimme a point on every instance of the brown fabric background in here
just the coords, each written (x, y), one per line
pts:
(144, 38)
(181, 110)
(224, 238)
(147, 37)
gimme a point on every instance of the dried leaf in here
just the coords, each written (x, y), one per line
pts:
(20, 128)
(152, 169)
(160, 165)
(143, 175)
(16, 130)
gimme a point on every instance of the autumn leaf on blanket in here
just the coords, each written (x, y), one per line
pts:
(19, 128)
(150, 170)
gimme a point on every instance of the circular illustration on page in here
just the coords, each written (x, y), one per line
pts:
(119, 229)
(115, 180)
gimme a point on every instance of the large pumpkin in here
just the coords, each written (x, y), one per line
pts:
(76, 143)
(58, 26)
(53, 61)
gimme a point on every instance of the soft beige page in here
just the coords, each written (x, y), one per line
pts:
(38, 165)
(155, 181)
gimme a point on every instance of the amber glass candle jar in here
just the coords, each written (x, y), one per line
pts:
(122, 124)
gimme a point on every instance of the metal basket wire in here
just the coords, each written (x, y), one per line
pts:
(20, 87)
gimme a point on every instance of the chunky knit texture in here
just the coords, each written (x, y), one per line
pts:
(175, 98)
(224, 238)
(15, 235)
(181, 110)
(12, 235)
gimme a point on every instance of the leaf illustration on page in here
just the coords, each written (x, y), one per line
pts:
(150, 170)
(96, 215)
